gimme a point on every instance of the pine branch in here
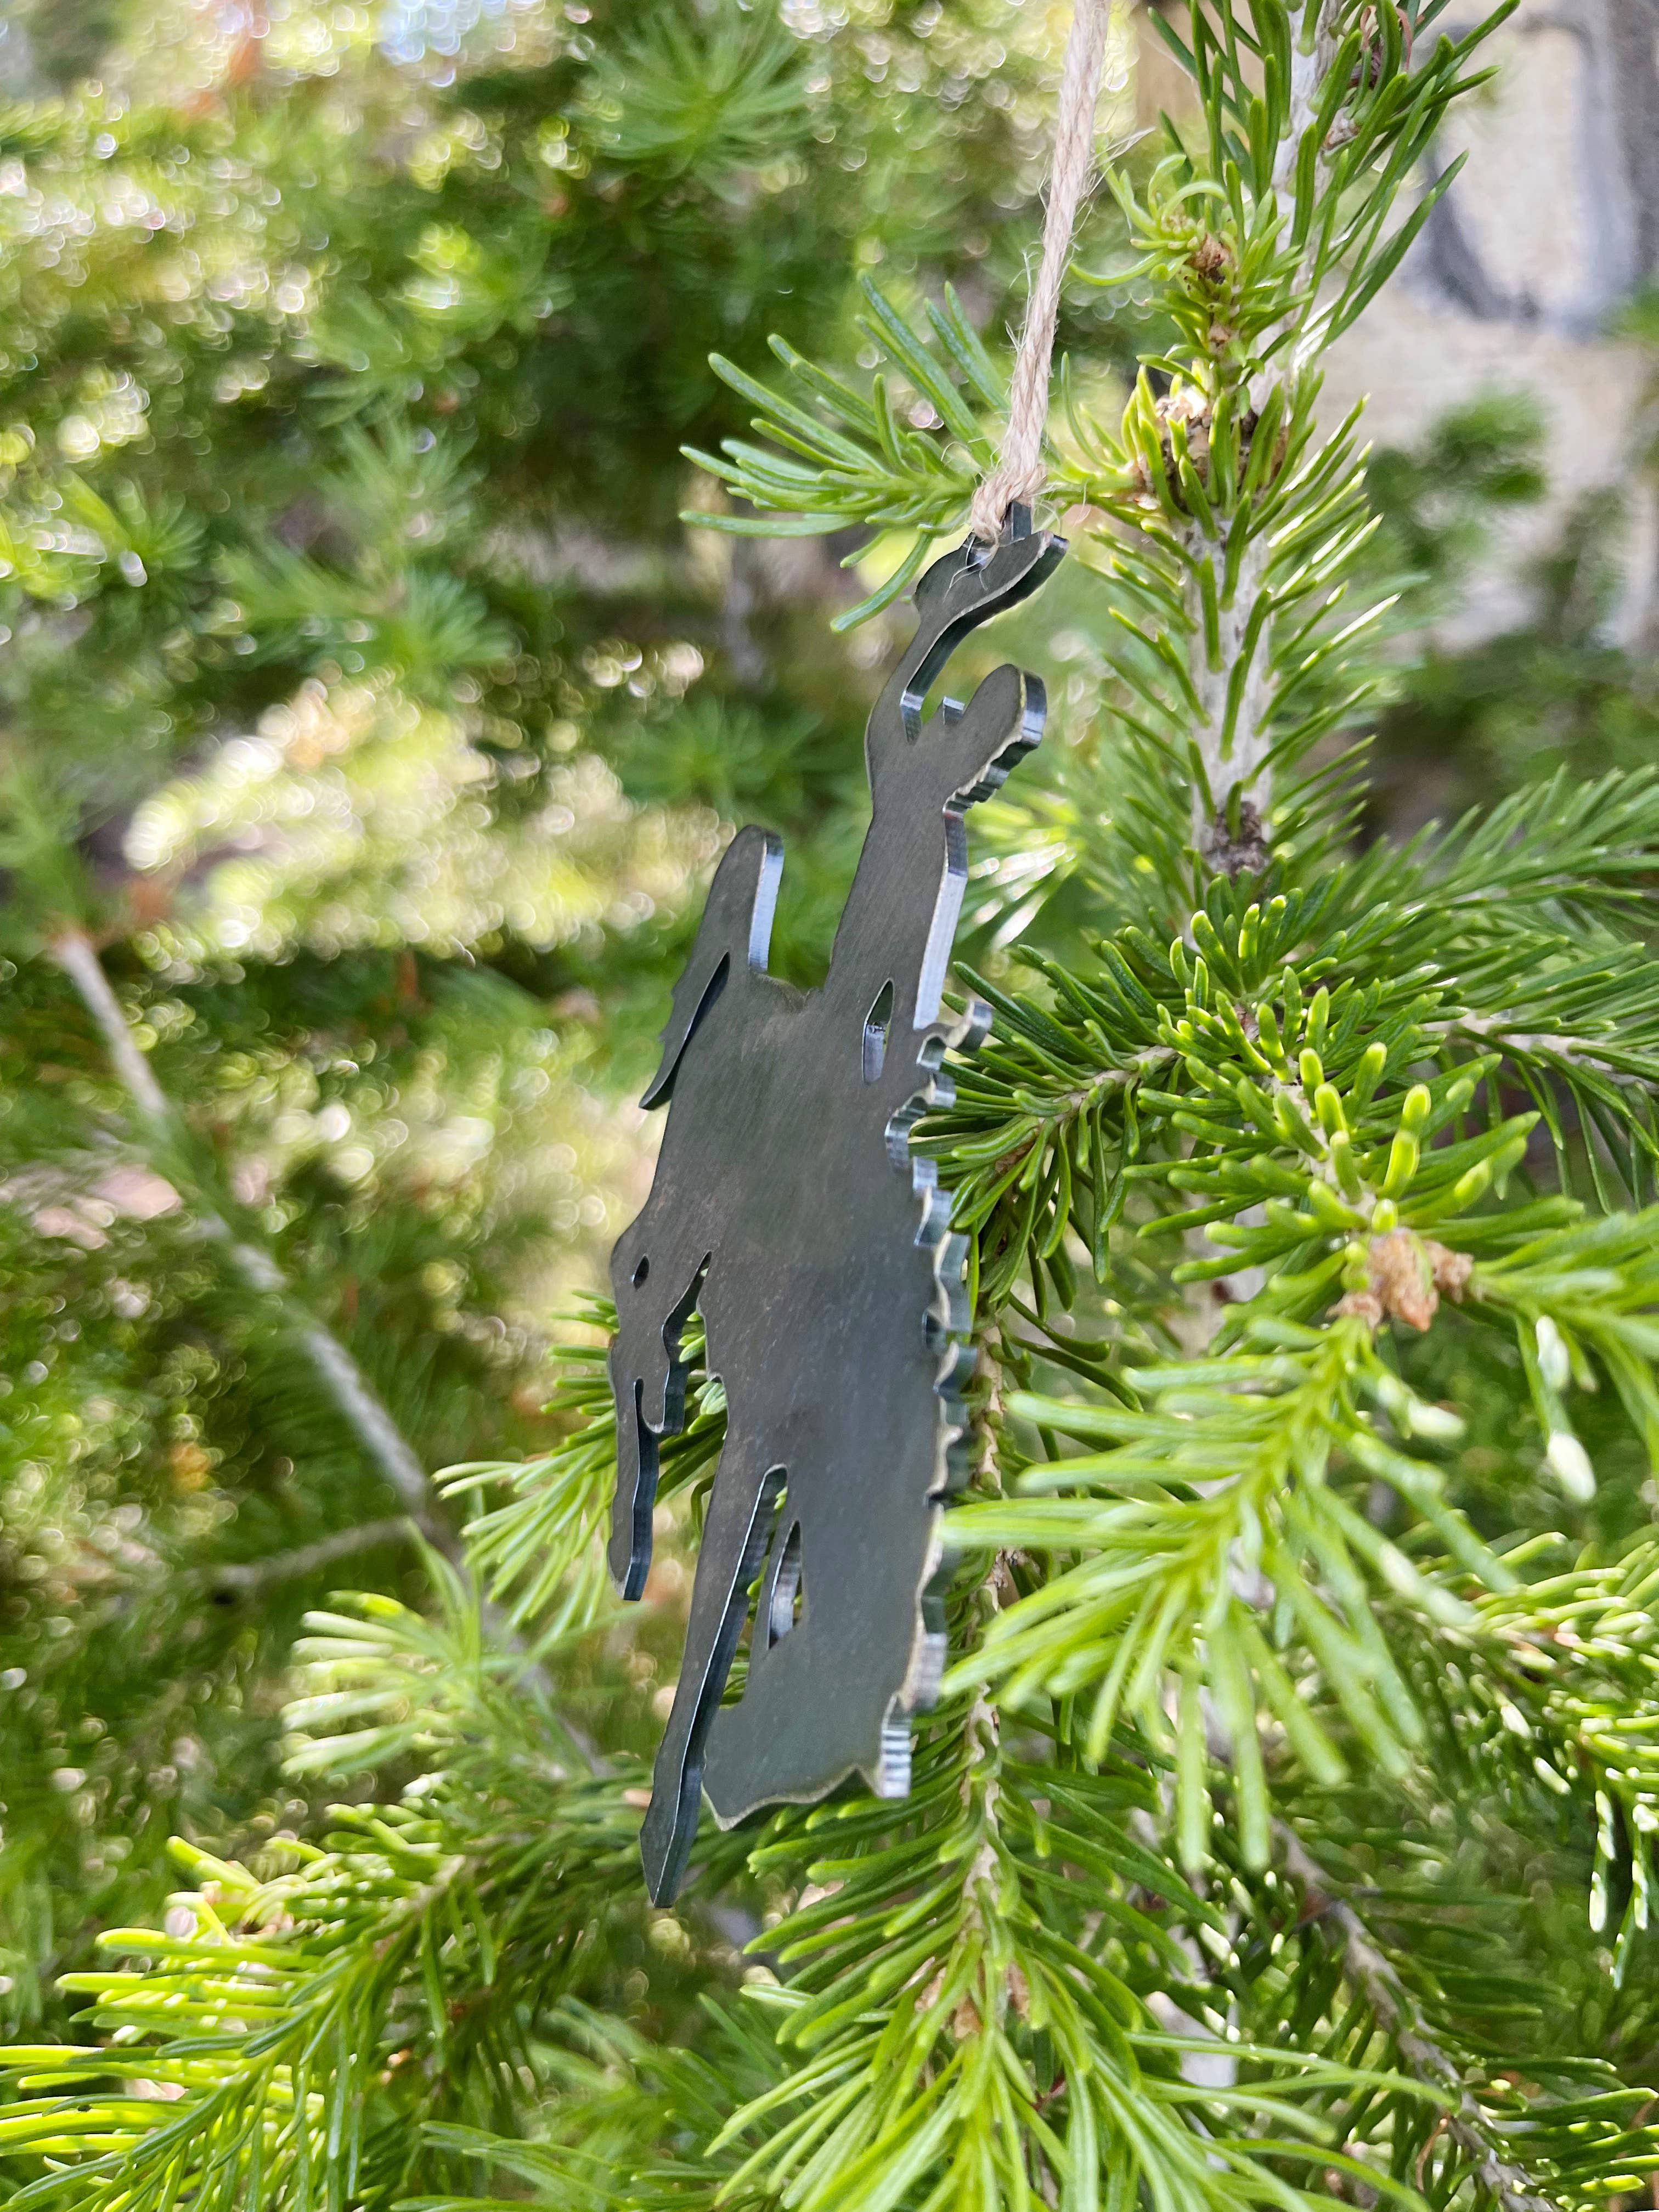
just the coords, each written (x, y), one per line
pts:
(1566, 1671)
(303, 2018)
(243, 1575)
(1337, 1205)
(173, 1156)
(967, 2004)
(277, 2022)
(1578, 1051)
(1225, 1487)
(1401, 2017)
(381, 1439)
(1250, 270)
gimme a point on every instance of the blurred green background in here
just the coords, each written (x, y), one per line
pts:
(366, 705)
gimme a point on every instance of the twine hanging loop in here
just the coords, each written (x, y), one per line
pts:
(1018, 474)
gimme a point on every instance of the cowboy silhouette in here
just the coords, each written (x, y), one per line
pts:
(784, 1209)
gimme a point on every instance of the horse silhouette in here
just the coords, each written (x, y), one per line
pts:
(784, 1209)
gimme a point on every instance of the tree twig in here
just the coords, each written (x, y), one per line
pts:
(344, 1379)
(293, 1566)
(1493, 1028)
(1234, 745)
(340, 1377)
(1400, 2015)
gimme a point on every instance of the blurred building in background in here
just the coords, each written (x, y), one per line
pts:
(1526, 279)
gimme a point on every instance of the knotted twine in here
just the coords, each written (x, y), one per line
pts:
(1018, 474)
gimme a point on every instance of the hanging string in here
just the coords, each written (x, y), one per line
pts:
(1018, 474)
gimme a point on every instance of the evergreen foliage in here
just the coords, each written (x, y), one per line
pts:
(1284, 1831)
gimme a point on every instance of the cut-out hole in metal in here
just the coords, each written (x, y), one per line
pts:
(752, 1605)
(877, 1023)
(788, 1598)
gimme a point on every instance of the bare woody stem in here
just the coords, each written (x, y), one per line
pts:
(1400, 2016)
(382, 1440)
(242, 1575)
(353, 1396)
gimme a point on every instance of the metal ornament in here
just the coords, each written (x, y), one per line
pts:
(784, 1210)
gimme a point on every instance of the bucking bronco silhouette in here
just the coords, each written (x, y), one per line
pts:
(784, 1210)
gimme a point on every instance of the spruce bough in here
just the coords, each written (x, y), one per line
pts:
(1284, 1833)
